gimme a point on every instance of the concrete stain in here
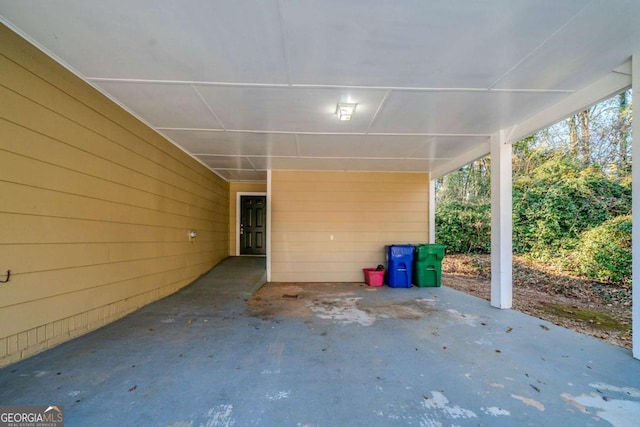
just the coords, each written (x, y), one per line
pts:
(469, 319)
(219, 416)
(334, 301)
(530, 402)
(278, 395)
(629, 391)
(495, 411)
(609, 402)
(440, 402)
(342, 310)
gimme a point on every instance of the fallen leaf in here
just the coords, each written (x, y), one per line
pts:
(189, 321)
(535, 388)
(509, 329)
(498, 351)
(546, 328)
(133, 388)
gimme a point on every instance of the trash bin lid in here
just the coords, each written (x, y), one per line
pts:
(431, 248)
(400, 250)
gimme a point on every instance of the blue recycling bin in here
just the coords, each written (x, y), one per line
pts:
(399, 265)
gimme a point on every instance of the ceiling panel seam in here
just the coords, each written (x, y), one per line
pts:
(538, 47)
(297, 140)
(283, 41)
(296, 133)
(194, 129)
(430, 88)
(261, 156)
(380, 105)
(251, 163)
(211, 110)
(422, 145)
(264, 156)
(330, 86)
(183, 82)
(368, 158)
(240, 169)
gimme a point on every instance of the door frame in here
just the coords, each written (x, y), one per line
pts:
(239, 212)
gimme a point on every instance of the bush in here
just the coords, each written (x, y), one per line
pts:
(604, 252)
(464, 227)
(551, 214)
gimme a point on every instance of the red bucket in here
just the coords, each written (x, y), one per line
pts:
(373, 277)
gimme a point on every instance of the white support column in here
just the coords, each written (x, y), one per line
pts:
(635, 209)
(501, 226)
(432, 210)
(269, 222)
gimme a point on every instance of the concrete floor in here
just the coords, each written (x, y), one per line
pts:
(348, 355)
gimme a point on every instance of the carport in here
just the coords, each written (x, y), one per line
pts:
(337, 354)
(130, 129)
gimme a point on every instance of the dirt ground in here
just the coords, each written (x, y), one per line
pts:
(592, 308)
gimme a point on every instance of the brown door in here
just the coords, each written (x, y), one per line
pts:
(253, 227)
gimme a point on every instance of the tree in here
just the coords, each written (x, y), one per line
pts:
(623, 133)
(598, 136)
(470, 184)
(569, 179)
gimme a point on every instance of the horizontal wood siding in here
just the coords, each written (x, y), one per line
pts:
(327, 226)
(95, 207)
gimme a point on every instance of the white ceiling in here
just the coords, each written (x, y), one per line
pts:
(250, 85)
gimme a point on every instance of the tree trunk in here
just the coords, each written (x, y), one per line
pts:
(574, 141)
(585, 140)
(623, 133)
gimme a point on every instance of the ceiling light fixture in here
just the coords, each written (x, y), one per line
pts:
(344, 111)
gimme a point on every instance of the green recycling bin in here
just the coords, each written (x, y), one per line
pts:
(427, 267)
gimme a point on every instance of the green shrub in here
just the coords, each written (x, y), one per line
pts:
(550, 214)
(463, 227)
(604, 252)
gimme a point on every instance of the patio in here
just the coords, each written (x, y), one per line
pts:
(327, 355)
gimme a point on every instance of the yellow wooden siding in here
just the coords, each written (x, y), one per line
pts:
(327, 226)
(96, 207)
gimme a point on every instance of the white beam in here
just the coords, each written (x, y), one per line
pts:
(635, 208)
(501, 225)
(612, 83)
(269, 223)
(432, 210)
